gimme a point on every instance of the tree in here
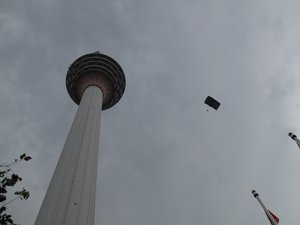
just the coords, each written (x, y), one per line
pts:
(8, 179)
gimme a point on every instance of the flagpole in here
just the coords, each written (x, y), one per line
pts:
(256, 195)
(294, 137)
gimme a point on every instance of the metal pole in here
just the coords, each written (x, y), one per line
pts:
(256, 195)
(294, 137)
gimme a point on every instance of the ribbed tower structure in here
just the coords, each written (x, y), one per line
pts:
(96, 82)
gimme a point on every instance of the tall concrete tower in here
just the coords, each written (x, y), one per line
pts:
(95, 82)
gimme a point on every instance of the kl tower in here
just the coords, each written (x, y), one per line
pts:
(95, 82)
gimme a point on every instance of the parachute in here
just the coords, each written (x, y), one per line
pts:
(212, 102)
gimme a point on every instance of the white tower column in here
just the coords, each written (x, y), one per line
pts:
(70, 198)
(95, 82)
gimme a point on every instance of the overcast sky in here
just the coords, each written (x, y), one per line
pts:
(164, 159)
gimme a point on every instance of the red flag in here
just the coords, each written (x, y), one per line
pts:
(274, 217)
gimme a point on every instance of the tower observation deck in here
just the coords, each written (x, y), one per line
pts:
(95, 82)
(98, 70)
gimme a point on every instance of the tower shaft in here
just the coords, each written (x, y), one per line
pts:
(70, 198)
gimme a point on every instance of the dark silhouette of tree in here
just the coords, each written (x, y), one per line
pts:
(8, 179)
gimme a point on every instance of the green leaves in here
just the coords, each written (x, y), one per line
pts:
(6, 220)
(2, 198)
(3, 190)
(22, 156)
(2, 209)
(2, 173)
(25, 157)
(24, 194)
(14, 178)
(8, 179)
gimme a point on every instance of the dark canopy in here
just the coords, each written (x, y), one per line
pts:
(212, 102)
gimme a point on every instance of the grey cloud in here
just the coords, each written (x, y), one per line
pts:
(163, 158)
